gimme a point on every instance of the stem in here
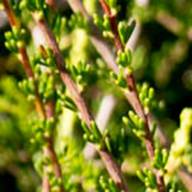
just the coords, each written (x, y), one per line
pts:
(105, 51)
(113, 23)
(11, 17)
(23, 57)
(133, 95)
(186, 178)
(45, 184)
(49, 149)
(133, 98)
(40, 108)
(106, 109)
(96, 38)
(50, 110)
(111, 166)
(28, 70)
(52, 4)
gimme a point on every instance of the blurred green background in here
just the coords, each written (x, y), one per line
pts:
(162, 57)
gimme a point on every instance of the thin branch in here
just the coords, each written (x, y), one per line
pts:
(45, 184)
(43, 111)
(24, 59)
(106, 109)
(52, 4)
(186, 178)
(97, 40)
(49, 150)
(110, 164)
(11, 17)
(132, 95)
(105, 51)
(113, 24)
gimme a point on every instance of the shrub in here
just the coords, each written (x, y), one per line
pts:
(97, 76)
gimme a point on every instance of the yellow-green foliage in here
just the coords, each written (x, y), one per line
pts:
(182, 141)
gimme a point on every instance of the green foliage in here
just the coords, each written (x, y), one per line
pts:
(92, 133)
(43, 57)
(15, 39)
(59, 24)
(33, 5)
(160, 56)
(119, 78)
(15, 134)
(135, 124)
(180, 149)
(125, 30)
(81, 72)
(78, 21)
(42, 129)
(107, 184)
(148, 178)
(112, 3)
(124, 58)
(147, 97)
(103, 24)
(160, 159)
(27, 86)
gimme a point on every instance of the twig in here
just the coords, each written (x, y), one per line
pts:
(52, 4)
(110, 164)
(106, 109)
(45, 184)
(186, 178)
(112, 19)
(104, 50)
(24, 58)
(43, 111)
(97, 40)
(49, 150)
(11, 17)
(132, 95)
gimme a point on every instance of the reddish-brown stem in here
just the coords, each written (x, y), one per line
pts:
(52, 4)
(137, 106)
(105, 51)
(28, 70)
(133, 95)
(50, 113)
(97, 40)
(45, 184)
(43, 111)
(25, 62)
(111, 166)
(24, 58)
(10, 15)
(113, 170)
(113, 24)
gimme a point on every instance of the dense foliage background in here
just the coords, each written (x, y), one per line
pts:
(161, 57)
